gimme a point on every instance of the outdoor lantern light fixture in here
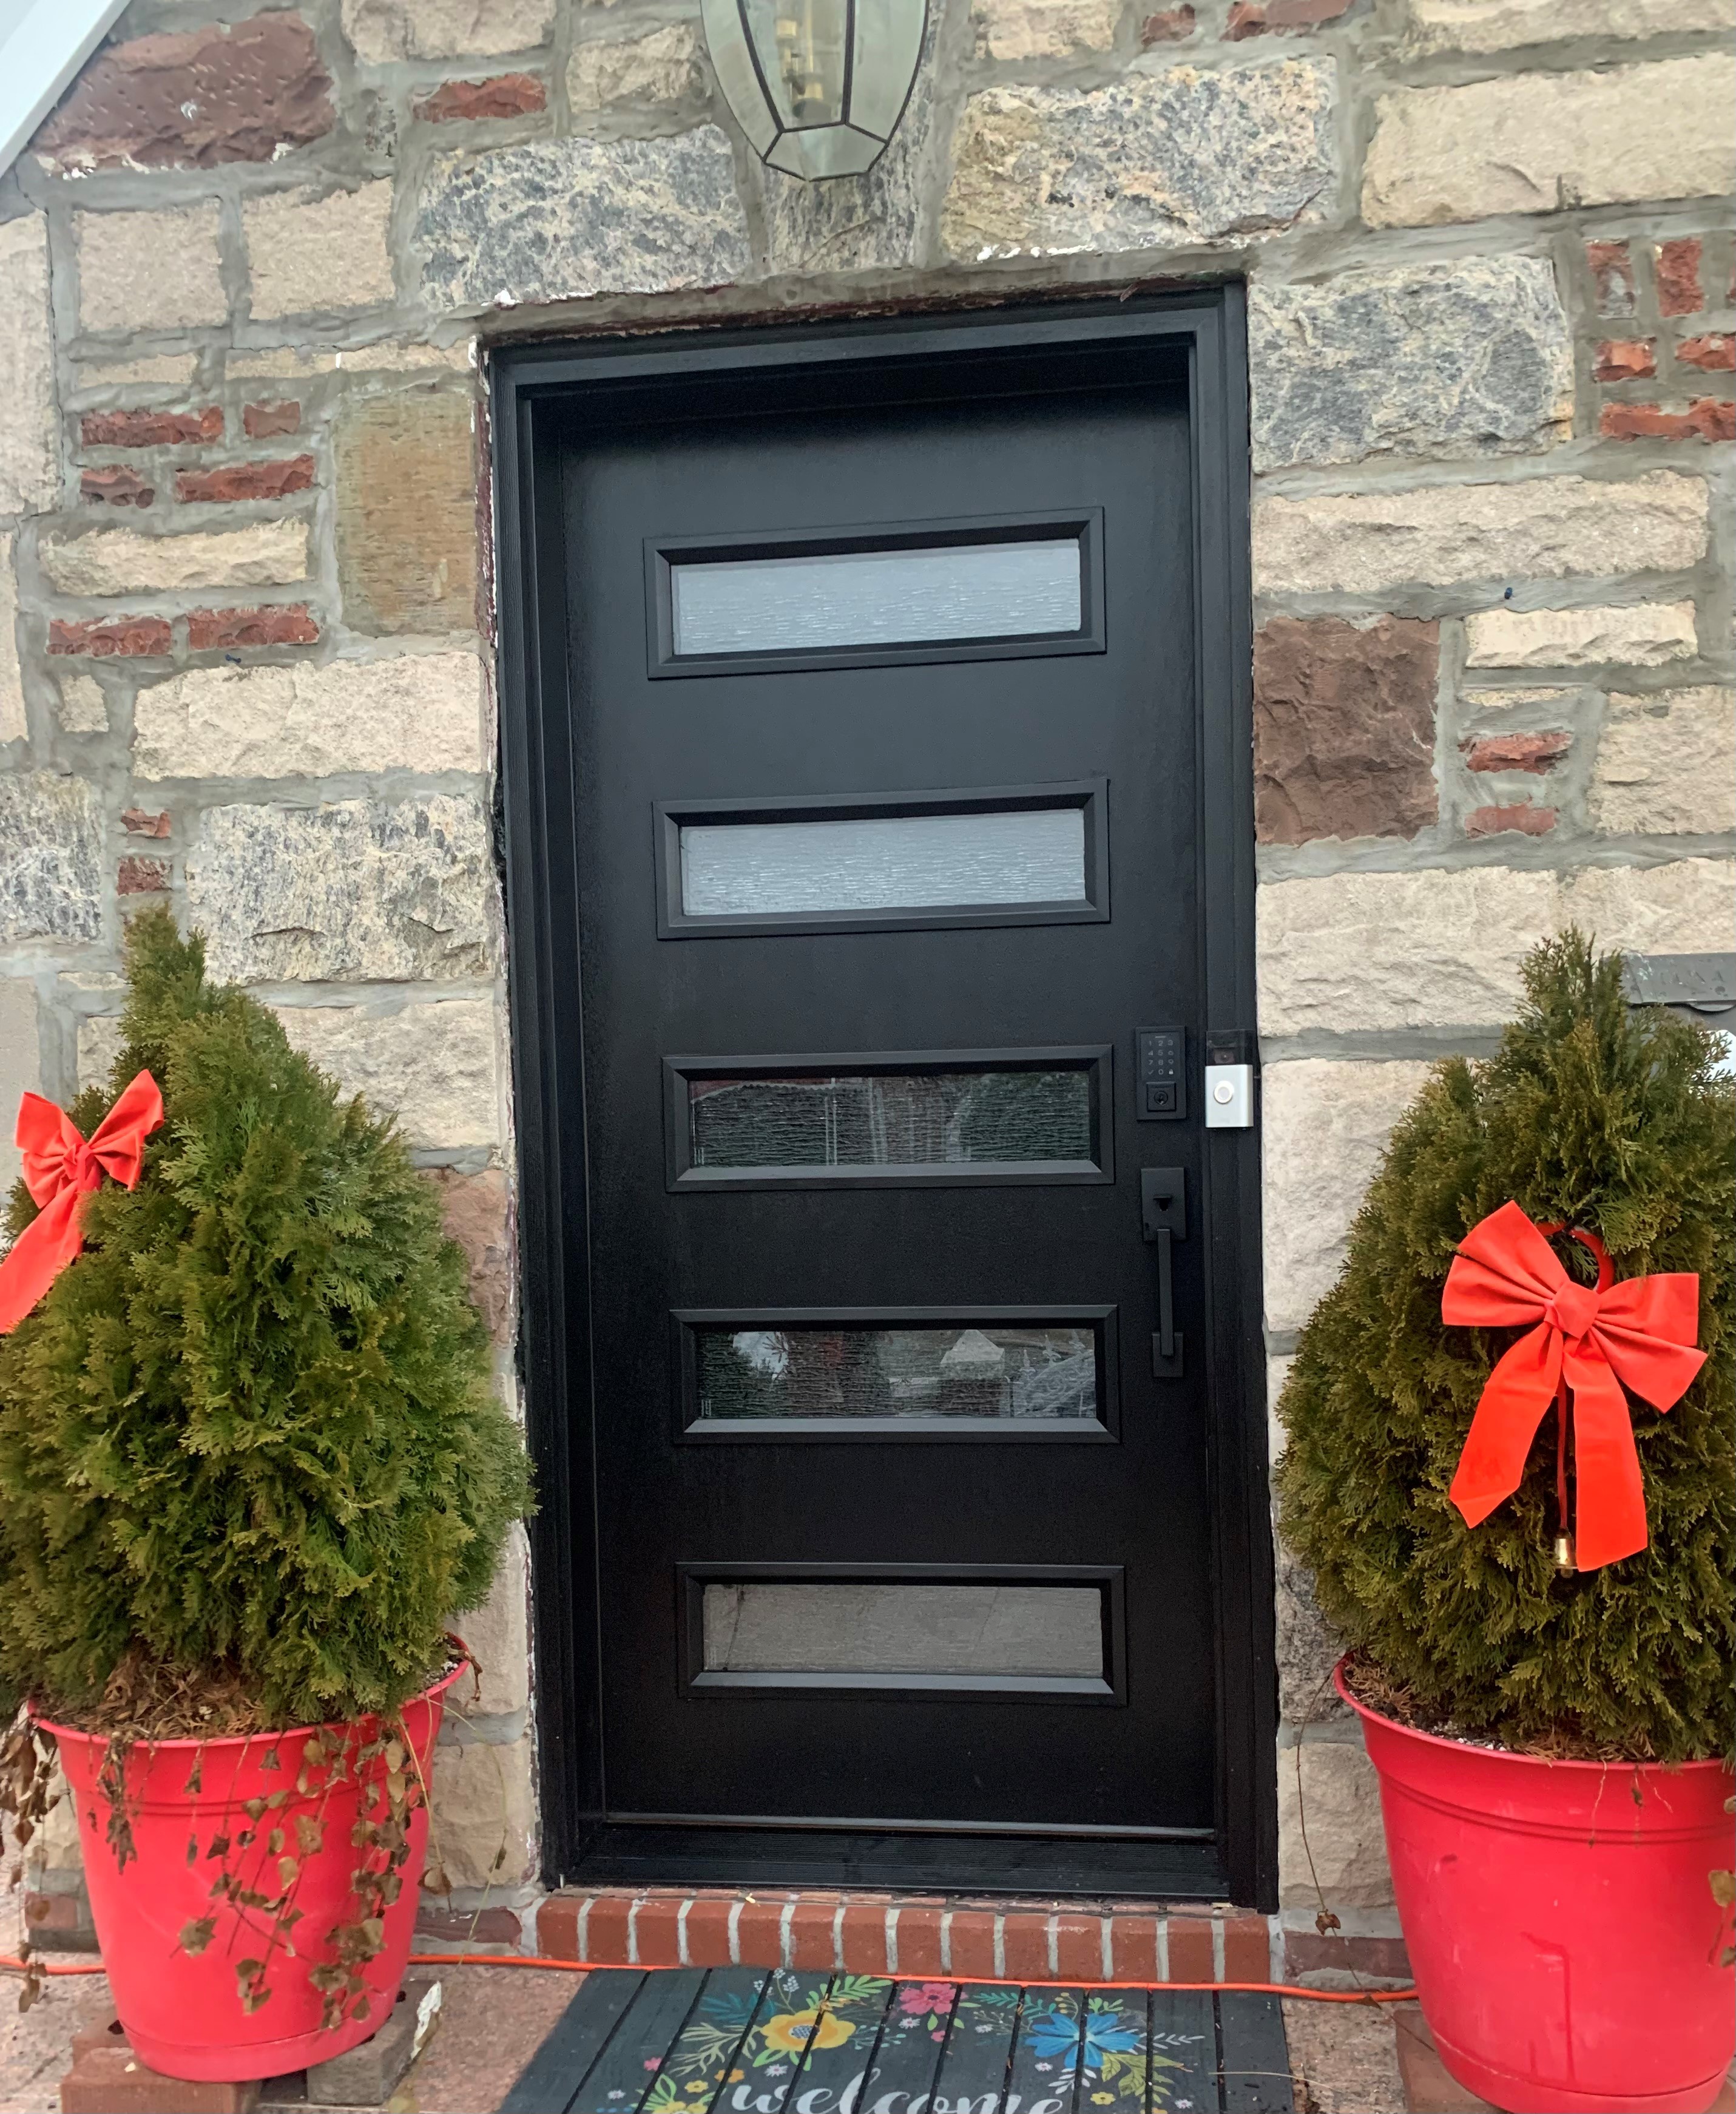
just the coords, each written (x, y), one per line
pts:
(817, 85)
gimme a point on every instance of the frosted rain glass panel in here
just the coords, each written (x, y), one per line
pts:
(890, 1119)
(1038, 1631)
(1029, 1372)
(883, 863)
(876, 597)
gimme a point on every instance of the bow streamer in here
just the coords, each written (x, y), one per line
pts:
(61, 1169)
(1640, 1332)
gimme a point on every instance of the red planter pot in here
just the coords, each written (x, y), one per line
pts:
(182, 2011)
(1563, 1935)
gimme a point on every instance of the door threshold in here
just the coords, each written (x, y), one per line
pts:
(900, 1934)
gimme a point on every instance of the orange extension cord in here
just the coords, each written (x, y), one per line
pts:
(975, 1981)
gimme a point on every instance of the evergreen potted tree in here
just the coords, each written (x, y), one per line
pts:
(251, 1456)
(1542, 1673)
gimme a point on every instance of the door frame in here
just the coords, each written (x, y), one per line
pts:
(529, 383)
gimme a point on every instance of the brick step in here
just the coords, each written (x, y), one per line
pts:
(890, 1934)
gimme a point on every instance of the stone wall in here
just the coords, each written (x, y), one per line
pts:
(247, 267)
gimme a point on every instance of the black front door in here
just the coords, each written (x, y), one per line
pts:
(886, 786)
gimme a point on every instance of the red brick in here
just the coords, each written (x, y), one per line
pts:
(265, 421)
(1169, 27)
(1079, 1948)
(139, 875)
(760, 1931)
(247, 480)
(1307, 1952)
(503, 95)
(453, 1929)
(606, 1930)
(101, 636)
(117, 486)
(1626, 360)
(110, 2079)
(1253, 18)
(1190, 1950)
(1492, 822)
(141, 822)
(1715, 352)
(1134, 1948)
(810, 1940)
(1535, 752)
(864, 1937)
(150, 429)
(1247, 1949)
(60, 1923)
(1678, 277)
(708, 1934)
(278, 623)
(919, 1942)
(557, 1927)
(970, 1944)
(1706, 419)
(1025, 1947)
(1612, 267)
(655, 1940)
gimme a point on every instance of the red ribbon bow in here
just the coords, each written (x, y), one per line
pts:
(1640, 1332)
(61, 1169)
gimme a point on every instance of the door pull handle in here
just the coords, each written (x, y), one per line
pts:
(1163, 1215)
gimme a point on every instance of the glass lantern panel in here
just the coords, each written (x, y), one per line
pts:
(801, 46)
(732, 60)
(888, 45)
(824, 150)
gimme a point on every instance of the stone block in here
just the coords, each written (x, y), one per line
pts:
(662, 70)
(99, 1040)
(1308, 1647)
(184, 102)
(150, 270)
(1325, 1123)
(407, 510)
(432, 1067)
(1344, 728)
(483, 1814)
(20, 1065)
(1684, 907)
(1438, 948)
(1667, 764)
(1469, 358)
(383, 31)
(1646, 634)
(357, 890)
(1327, 1790)
(14, 725)
(308, 255)
(30, 464)
(112, 562)
(410, 712)
(1537, 142)
(52, 847)
(473, 1210)
(498, 1633)
(1151, 161)
(565, 219)
(1446, 535)
(168, 370)
(1501, 25)
(1019, 30)
(1345, 2053)
(84, 706)
(368, 2075)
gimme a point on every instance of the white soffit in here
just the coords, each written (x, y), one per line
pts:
(43, 44)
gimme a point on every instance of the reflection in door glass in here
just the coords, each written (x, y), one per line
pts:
(891, 1119)
(806, 1626)
(883, 863)
(1028, 1371)
(816, 601)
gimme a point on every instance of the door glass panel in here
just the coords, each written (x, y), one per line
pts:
(1036, 1632)
(1034, 1371)
(890, 1119)
(816, 600)
(883, 863)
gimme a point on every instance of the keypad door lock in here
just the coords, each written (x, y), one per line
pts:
(1160, 1073)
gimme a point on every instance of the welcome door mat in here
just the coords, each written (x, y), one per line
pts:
(755, 2040)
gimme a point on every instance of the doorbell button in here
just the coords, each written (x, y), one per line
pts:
(1229, 1097)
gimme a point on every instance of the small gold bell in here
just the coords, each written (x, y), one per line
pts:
(1564, 1553)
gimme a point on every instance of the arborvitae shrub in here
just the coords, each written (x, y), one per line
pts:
(1599, 1117)
(249, 1438)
